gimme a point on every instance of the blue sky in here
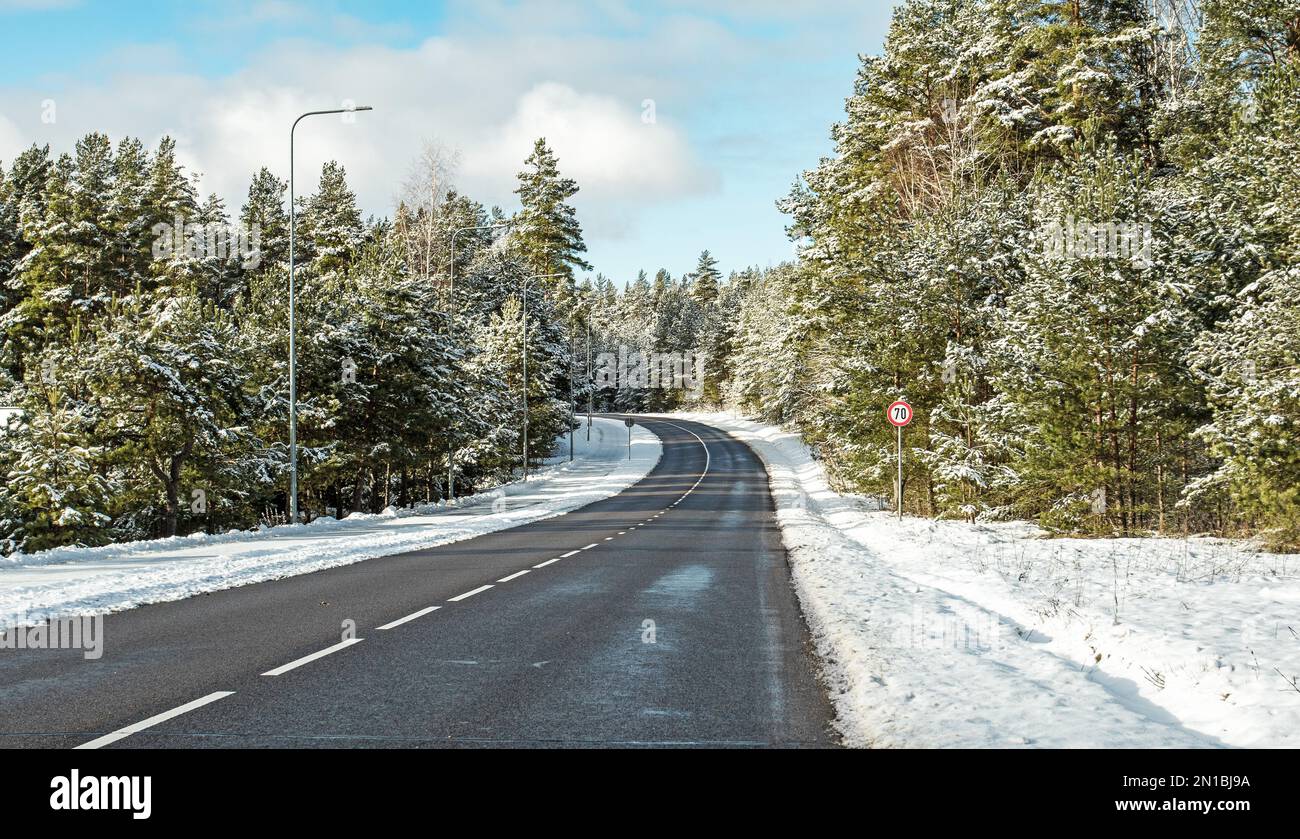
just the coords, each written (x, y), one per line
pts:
(743, 97)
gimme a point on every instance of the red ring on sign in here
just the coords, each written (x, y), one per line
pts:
(889, 414)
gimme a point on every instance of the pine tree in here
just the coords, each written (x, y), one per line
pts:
(501, 343)
(264, 212)
(546, 229)
(218, 274)
(11, 250)
(704, 288)
(1249, 356)
(150, 364)
(54, 493)
(171, 198)
(1092, 356)
(130, 229)
(330, 224)
(166, 389)
(769, 359)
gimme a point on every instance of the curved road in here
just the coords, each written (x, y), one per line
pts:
(662, 616)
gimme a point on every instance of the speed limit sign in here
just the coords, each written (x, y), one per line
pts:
(899, 413)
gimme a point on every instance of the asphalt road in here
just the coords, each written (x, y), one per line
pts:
(662, 616)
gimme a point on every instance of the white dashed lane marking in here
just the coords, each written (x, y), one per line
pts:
(409, 617)
(307, 659)
(127, 731)
(468, 594)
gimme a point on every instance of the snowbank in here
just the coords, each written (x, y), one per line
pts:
(79, 581)
(945, 634)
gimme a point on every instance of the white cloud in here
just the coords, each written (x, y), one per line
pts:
(491, 100)
(602, 143)
(499, 75)
(11, 140)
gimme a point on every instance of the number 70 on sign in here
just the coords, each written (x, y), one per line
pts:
(899, 413)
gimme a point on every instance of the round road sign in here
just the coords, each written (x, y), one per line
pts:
(899, 413)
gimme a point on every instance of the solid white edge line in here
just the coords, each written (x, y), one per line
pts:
(469, 594)
(307, 659)
(708, 457)
(548, 562)
(513, 576)
(409, 617)
(154, 720)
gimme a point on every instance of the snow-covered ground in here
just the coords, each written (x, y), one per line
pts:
(79, 581)
(957, 635)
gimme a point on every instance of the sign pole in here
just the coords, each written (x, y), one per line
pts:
(900, 473)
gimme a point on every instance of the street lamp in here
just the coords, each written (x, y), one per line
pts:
(451, 287)
(591, 382)
(573, 403)
(524, 352)
(293, 346)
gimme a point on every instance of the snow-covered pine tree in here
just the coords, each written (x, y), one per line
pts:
(546, 228)
(1250, 358)
(769, 364)
(264, 212)
(705, 280)
(330, 225)
(500, 361)
(127, 222)
(56, 486)
(166, 390)
(11, 250)
(1091, 353)
(716, 345)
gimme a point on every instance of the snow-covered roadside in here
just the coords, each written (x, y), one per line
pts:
(949, 634)
(79, 581)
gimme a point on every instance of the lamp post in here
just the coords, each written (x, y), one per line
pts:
(591, 382)
(573, 397)
(293, 345)
(524, 352)
(451, 287)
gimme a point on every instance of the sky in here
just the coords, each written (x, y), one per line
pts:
(683, 121)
